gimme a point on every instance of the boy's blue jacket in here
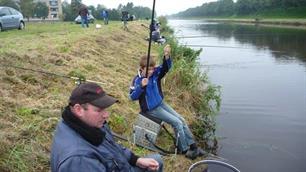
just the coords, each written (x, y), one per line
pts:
(150, 96)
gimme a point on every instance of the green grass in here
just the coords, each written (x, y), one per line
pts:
(290, 13)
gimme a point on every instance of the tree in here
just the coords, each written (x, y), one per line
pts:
(114, 14)
(26, 7)
(92, 10)
(98, 11)
(9, 3)
(75, 7)
(41, 10)
(67, 11)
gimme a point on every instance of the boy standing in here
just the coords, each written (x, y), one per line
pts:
(147, 90)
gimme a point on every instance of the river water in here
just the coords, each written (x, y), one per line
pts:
(262, 74)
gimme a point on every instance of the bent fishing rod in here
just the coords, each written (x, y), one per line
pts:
(150, 38)
(78, 80)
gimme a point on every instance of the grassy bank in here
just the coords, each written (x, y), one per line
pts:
(31, 102)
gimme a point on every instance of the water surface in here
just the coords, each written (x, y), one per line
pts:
(262, 72)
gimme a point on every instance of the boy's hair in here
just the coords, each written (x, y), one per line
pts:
(143, 61)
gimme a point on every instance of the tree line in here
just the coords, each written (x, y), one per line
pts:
(29, 8)
(240, 7)
(39, 9)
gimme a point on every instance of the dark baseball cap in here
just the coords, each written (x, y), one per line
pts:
(93, 94)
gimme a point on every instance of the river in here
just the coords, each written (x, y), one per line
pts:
(262, 74)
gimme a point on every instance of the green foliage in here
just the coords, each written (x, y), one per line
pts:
(98, 10)
(26, 7)
(165, 27)
(41, 10)
(63, 49)
(138, 11)
(244, 7)
(68, 14)
(75, 7)
(217, 8)
(77, 73)
(16, 158)
(299, 12)
(114, 14)
(24, 111)
(139, 150)
(9, 3)
(117, 123)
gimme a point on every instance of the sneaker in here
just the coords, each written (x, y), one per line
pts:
(193, 154)
(201, 152)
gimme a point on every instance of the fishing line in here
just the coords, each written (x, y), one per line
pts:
(77, 79)
(215, 46)
(193, 36)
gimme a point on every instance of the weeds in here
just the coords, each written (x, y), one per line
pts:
(118, 123)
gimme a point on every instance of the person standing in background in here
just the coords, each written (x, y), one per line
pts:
(83, 12)
(104, 15)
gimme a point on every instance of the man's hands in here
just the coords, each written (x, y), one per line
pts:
(147, 163)
(167, 51)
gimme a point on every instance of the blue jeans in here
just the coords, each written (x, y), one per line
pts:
(157, 157)
(170, 116)
(84, 21)
(105, 20)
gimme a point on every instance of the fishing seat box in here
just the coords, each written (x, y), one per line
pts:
(146, 125)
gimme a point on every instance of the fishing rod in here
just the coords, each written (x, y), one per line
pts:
(77, 79)
(150, 38)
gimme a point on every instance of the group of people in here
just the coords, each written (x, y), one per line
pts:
(84, 14)
(83, 140)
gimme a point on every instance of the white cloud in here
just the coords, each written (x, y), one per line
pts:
(162, 7)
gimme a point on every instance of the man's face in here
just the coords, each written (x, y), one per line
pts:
(94, 116)
(150, 71)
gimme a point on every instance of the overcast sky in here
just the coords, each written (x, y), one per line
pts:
(162, 7)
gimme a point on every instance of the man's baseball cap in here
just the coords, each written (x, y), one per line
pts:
(91, 93)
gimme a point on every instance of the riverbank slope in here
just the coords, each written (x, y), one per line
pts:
(31, 100)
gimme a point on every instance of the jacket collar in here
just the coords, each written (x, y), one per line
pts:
(93, 135)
